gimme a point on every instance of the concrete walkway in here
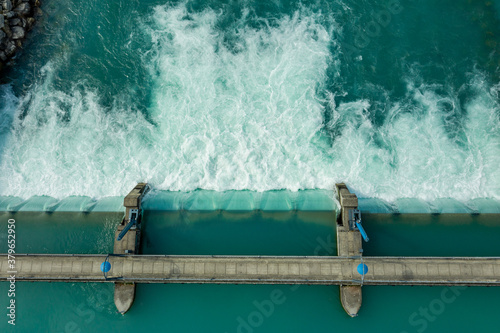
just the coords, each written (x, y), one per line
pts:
(256, 270)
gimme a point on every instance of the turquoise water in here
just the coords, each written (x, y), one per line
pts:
(264, 106)
(62, 307)
(68, 233)
(194, 308)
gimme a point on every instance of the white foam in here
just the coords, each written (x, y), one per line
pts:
(8, 103)
(246, 114)
(240, 118)
(224, 119)
(414, 154)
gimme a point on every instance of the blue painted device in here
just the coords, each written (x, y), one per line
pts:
(362, 269)
(355, 223)
(105, 267)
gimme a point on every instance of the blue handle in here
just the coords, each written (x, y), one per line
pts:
(362, 231)
(126, 229)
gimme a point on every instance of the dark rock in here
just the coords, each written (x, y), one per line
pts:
(6, 4)
(14, 21)
(23, 8)
(17, 32)
(30, 22)
(16, 18)
(10, 49)
(7, 31)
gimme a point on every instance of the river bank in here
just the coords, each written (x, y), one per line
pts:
(17, 18)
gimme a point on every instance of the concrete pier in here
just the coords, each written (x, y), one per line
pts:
(130, 244)
(349, 244)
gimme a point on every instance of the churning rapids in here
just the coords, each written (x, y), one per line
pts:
(223, 98)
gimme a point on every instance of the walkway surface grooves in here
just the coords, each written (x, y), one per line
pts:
(257, 270)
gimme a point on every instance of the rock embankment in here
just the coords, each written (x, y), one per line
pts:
(17, 17)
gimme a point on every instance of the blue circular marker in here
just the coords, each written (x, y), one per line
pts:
(105, 266)
(362, 269)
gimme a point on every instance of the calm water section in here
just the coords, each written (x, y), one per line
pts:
(62, 307)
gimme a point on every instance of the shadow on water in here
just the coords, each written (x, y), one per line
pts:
(450, 235)
(313, 233)
(61, 232)
(239, 233)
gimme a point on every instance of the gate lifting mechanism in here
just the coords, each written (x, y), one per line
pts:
(133, 215)
(355, 223)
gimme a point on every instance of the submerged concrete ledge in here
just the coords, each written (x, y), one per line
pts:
(244, 200)
(307, 200)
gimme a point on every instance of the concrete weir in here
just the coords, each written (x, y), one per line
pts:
(348, 245)
(129, 244)
(349, 269)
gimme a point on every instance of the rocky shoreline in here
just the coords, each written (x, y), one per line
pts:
(17, 17)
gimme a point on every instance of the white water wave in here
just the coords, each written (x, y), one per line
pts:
(246, 111)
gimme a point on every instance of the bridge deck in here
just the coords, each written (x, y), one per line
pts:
(257, 270)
